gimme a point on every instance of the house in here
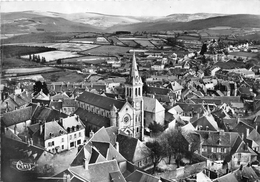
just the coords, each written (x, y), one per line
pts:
(176, 110)
(134, 151)
(17, 120)
(69, 106)
(254, 137)
(75, 130)
(153, 111)
(206, 122)
(240, 154)
(49, 135)
(216, 145)
(157, 66)
(176, 88)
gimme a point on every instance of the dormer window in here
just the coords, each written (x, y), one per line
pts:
(73, 128)
(68, 129)
(77, 127)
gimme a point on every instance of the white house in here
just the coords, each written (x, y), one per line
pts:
(75, 131)
(153, 111)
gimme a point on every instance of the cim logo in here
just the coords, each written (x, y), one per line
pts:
(21, 165)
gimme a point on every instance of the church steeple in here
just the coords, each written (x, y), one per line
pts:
(134, 78)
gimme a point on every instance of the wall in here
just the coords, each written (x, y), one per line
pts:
(72, 139)
(57, 142)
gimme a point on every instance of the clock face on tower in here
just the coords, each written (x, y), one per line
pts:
(137, 105)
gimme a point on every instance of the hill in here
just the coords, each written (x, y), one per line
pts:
(27, 22)
(234, 21)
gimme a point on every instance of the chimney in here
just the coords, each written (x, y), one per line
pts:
(247, 132)
(15, 129)
(66, 177)
(85, 163)
(91, 134)
(117, 146)
(41, 127)
(243, 137)
(256, 127)
(31, 141)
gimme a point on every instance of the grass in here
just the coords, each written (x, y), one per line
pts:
(63, 76)
(39, 37)
(107, 50)
(14, 62)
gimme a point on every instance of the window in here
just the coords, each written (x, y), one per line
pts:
(78, 142)
(53, 143)
(62, 147)
(70, 137)
(62, 139)
(71, 144)
(49, 144)
(79, 134)
(139, 164)
(135, 91)
(218, 150)
(75, 135)
(213, 149)
(137, 130)
(204, 149)
(223, 150)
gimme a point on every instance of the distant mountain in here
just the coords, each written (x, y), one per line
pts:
(36, 21)
(188, 17)
(30, 21)
(234, 21)
(102, 20)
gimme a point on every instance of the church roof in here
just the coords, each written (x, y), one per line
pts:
(100, 101)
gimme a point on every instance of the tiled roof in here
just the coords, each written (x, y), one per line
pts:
(139, 176)
(117, 177)
(206, 121)
(152, 105)
(17, 116)
(47, 114)
(60, 96)
(127, 146)
(210, 138)
(157, 90)
(53, 128)
(55, 105)
(100, 101)
(96, 172)
(18, 148)
(92, 118)
(69, 103)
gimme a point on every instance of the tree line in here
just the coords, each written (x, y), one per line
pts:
(37, 58)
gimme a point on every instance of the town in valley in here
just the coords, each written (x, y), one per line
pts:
(92, 97)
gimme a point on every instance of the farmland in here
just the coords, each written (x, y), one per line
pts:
(107, 50)
(63, 76)
(86, 59)
(13, 62)
(75, 47)
(54, 55)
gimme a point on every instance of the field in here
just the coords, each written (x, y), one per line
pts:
(107, 50)
(54, 55)
(39, 37)
(63, 76)
(29, 70)
(13, 62)
(75, 47)
(86, 59)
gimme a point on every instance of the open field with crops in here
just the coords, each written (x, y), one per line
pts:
(54, 55)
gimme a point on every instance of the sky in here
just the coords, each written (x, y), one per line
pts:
(135, 7)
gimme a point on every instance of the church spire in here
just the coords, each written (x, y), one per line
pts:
(134, 77)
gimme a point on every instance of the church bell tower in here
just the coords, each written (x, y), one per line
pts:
(134, 95)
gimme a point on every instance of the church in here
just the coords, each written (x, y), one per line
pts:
(127, 115)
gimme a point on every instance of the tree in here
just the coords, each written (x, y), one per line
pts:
(38, 86)
(157, 152)
(177, 144)
(156, 127)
